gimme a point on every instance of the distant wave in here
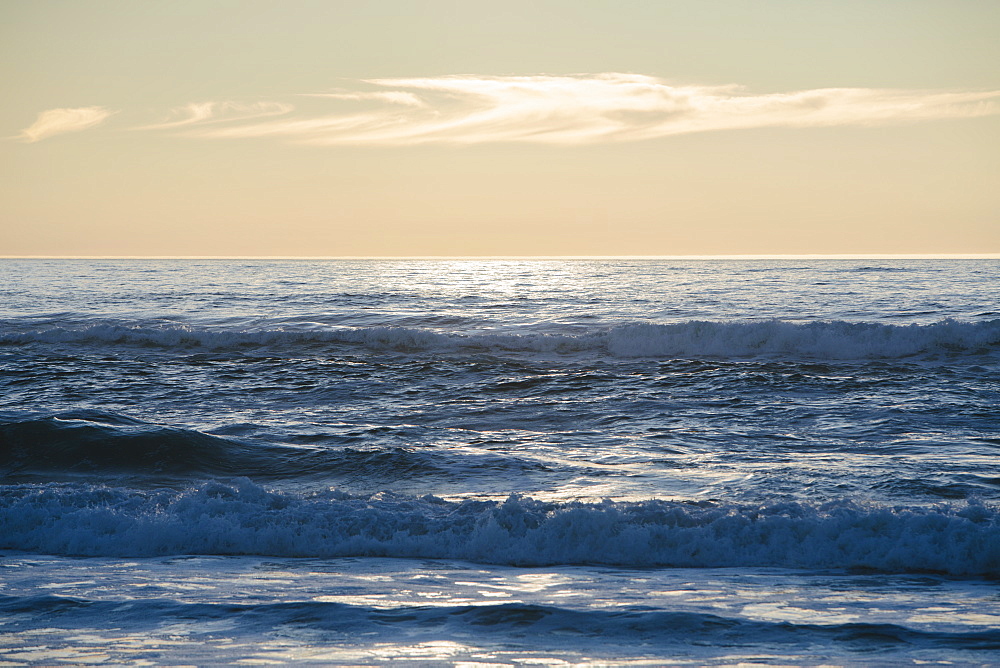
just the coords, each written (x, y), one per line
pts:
(240, 517)
(880, 268)
(821, 339)
(587, 626)
(721, 339)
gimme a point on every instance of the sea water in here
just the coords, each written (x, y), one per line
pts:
(500, 462)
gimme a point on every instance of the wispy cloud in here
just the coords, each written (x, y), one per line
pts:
(198, 113)
(590, 108)
(579, 109)
(59, 121)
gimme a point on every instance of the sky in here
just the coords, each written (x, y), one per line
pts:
(550, 127)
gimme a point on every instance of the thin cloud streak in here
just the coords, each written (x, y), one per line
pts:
(392, 97)
(198, 113)
(590, 109)
(60, 121)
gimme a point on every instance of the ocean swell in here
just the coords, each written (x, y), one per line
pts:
(90, 443)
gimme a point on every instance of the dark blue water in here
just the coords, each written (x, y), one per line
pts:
(832, 425)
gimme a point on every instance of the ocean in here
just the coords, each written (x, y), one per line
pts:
(494, 462)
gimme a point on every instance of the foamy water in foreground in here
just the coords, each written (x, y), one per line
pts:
(500, 462)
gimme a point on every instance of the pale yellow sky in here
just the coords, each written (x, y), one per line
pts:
(516, 128)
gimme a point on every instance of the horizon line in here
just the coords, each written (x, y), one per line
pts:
(718, 256)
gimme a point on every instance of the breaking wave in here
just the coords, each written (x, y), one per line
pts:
(241, 517)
